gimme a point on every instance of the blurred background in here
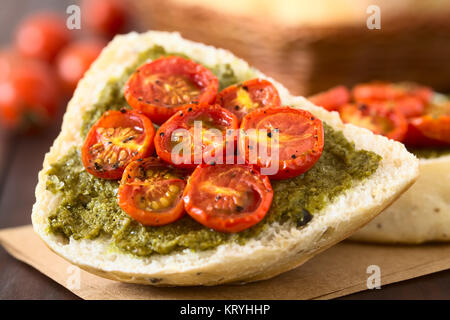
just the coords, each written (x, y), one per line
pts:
(309, 46)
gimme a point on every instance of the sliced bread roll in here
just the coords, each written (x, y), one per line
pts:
(278, 248)
(421, 214)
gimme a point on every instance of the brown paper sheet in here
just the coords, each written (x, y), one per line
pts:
(339, 271)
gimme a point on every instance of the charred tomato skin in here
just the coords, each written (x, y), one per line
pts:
(163, 86)
(116, 139)
(332, 99)
(376, 117)
(247, 96)
(426, 131)
(409, 99)
(212, 117)
(301, 139)
(151, 192)
(227, 198)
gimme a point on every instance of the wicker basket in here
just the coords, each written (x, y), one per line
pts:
(410, 46)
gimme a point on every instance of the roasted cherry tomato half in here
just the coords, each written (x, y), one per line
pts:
(425, 94)
(296, 135)
(248, 96)
(415, 137)
(377, 91)
(408, 98)
(332, 99)
(115, 140)
(409, 106)
(194, 135)
(42, 35)
(377, 118)
(431, 129)
(151, 192)
(163, 86)
(227, 197)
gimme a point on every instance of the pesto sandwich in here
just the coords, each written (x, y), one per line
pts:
(112, 198)
(419, 117)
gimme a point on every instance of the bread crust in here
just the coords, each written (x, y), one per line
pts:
(278, 248)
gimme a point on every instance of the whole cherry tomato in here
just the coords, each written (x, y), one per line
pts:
(107, 17)
(75, 59)
(42, 36)
(9, 59)
(29, 94)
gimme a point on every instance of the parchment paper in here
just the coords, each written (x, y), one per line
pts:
(339, 271)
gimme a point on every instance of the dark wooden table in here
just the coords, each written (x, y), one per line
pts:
(20, 160)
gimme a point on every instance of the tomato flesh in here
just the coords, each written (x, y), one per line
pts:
(151, 192)
(162, 87)
(375, 117)
(408, 98)
(227, 198)
(432, 128)
(117, 138)
(300, 140)
(377, 91)
(248, 96)
(179, 131)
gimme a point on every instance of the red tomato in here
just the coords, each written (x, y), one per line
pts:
(178, 134)
(9, 59)
(29, 94)
(42, 35)
(227, 198)
(409, 106)
(115, 140)
(332, 99)
(431, 129)
(425, 94)
(107, 17)
(247, 96)
(163, 86)
(300, 139)
(408, 98)
(75, 59)
(375, 117)
(416, 138)
(151, 192)
(377, 91)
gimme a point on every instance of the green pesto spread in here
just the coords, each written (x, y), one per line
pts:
(89, 209)
(429, 153)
